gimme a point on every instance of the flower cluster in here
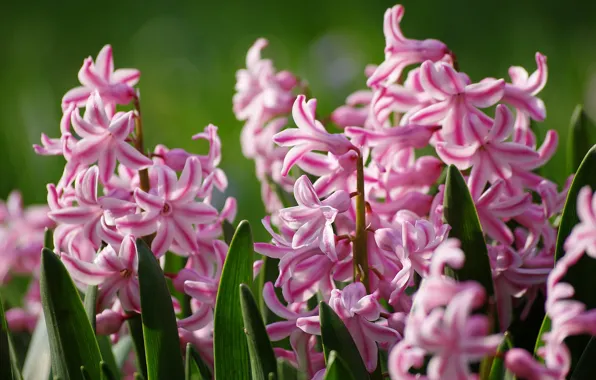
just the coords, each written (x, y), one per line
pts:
(368, 206)
(21, 240)
(112, 191)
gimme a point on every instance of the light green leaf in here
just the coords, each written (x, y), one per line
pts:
(90, 304)
(72, 341)
(160, 332)
(262, 358)
(38, 361)
(460, 213)
(286, 371)
(336, 337)
(337, 369)
(229, 341)
(105, 348)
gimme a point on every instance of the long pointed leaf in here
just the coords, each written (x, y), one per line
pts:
(72, 341)
(90, 304)
(336, 337)
(580, 139)
(135, 326)
(38, 361)
(580, 275)
(286, 371)
(498, 370)
(337, 369)
(105, 348)
(10, 368)
(460, 214)
(160, 332)
(229, 342)
(262, 358)
(586, 365)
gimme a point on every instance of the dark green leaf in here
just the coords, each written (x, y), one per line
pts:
(85, 374)
(229, 341)
(262, 358)
(72, 341)
(138, 376)
(337, 369)
(228, 231)
(586, 365)
(543, 329)
(160, 332)
(581, 138)
(460, 213)
(269, 272)
(498, 370)
(90, 304)
(580, 275)
(195, 370)
(105, 348)
(135, 326)
(48, 239)
(336, 337)
(106, 372)
(286, 371)
(10, 367)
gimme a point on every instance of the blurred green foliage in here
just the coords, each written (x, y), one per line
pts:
(189, 51)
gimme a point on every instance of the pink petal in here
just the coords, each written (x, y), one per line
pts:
(138, 224)
(128, 252)
(88, 150)
(189, 182)
(199, 319)
(460, 156)
(310, 325)
(77, 96)
(104, 62)
(88, 77)
(73, 215)
(436, 82)
(486, 93)
(132, 158)
(84, 128)
(87, 273)
(304, 114)
(130, 77)
(163, 239)
(280, 330)
(107, 163)
(293, 156)
(503, 125)
(148, 202)
(184, 235)
(305, 194)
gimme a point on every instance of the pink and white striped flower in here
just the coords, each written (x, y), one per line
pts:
(488, 153)
(103, 140)
(116, 87)
(310, 135)
(400, 51)
(583, 236)
(115, 273)
(171, 210)
(312, 218)
(457, 101)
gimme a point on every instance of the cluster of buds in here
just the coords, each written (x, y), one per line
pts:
(368, 206)
(112, 191)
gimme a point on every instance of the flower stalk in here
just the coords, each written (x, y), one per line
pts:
(360, 256)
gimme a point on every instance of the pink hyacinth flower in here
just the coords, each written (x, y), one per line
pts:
(171, 210)
(583, 236)
(91, 211)
(312, 218)
(490, 156)
(104, 139)
(456, 98)
(359, 312)
(114, 86)
(310, 135)
(400, 51)
(113, 272)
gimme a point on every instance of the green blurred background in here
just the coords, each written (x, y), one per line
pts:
(188, 53)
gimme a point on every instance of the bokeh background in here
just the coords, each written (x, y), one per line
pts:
(188, 53)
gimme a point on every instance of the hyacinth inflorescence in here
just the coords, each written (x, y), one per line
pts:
(356, 217)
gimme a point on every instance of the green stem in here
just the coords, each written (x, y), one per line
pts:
(359, 247)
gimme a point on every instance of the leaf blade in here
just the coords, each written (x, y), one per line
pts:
(160, 332)
(262, 358)
(229, 342)
(72, 341)
(337, 368)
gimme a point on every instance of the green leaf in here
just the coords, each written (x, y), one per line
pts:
(460, 213)
(539, 341)
(72, 341)
(580, 275)
(262, 358)
(269, 272)
(160, 332)
(105, 348)
(229, 342)
(195, 368)
(586, 365)
(203, 368)
(286, 371)
(10, 368)
(336, 337)
(135, 326)
(580, 140)
(106, 371)
(90, 304)
(498, 370)
(337, 369)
